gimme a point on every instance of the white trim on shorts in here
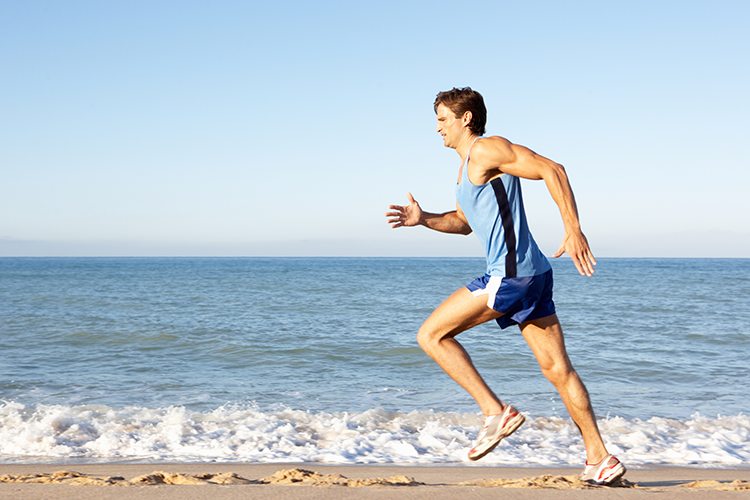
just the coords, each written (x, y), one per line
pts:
(493, 285)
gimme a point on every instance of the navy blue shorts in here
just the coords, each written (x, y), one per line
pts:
(519, 299)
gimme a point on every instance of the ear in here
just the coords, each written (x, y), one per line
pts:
(466, 119)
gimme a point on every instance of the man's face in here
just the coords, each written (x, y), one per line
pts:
(449, 126)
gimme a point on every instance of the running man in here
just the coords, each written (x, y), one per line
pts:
(517, 288)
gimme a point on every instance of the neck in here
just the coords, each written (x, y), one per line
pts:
(464, 145)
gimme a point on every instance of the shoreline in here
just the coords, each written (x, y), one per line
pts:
(312, 480)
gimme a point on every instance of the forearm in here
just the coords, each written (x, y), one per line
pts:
(559, 188)
(574, 243)
(448, 222)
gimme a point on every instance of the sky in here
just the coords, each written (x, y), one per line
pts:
(196, 128)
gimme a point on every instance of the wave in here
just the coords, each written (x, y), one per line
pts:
(243, 433)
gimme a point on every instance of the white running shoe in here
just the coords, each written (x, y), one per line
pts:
(606, 472)
(496, 427)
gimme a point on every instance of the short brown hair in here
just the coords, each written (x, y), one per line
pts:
(462, 100)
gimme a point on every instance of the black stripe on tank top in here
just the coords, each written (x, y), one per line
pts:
(507, 219)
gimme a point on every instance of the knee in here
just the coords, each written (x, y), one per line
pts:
(558, 372)
(423, 338)
(428, 339)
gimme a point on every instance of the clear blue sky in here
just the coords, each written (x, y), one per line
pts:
(287, 128)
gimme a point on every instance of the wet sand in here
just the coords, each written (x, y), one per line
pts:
(313, 481)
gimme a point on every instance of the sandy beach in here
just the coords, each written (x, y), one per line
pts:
(312, 481)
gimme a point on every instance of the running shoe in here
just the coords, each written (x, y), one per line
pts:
(496, 427)
(606, 472)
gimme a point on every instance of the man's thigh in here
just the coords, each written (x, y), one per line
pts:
(458, 313)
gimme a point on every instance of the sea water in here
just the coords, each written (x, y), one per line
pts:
(316, 360)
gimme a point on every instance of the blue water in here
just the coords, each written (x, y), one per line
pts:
(651, 338)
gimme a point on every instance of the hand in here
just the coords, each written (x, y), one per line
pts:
(577, 246)
(410, 215)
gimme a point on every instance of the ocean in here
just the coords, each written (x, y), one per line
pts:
(316, 360)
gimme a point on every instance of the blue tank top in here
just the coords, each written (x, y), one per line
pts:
(496, 215)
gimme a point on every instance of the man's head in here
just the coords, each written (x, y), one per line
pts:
(464, 100)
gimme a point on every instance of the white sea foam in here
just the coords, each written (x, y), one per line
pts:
(241, 434)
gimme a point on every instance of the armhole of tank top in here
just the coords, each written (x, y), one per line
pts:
(465, 167)
(463, 172)
(468, 153)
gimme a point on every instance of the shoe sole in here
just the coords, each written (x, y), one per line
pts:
(513, 428)
(611, 479)
(615, 477)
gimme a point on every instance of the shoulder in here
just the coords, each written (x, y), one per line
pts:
(493, 151)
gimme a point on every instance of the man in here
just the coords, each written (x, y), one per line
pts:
(517, 288)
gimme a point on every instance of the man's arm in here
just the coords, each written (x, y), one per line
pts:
(496, 155)
(413, 215)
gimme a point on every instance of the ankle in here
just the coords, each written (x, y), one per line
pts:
(596, 459)
(494, 409)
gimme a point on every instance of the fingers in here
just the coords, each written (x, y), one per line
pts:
(580, 254)
(584, 263)
(591, 258)
(587, 258)
(396, 219)
(580, 260)
(589, 263)
(581, 266)
(400, 214)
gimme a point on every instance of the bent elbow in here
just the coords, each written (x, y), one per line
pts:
(559, 170)
(553, 172)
